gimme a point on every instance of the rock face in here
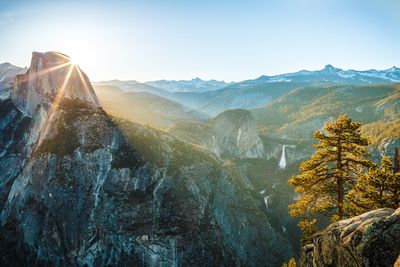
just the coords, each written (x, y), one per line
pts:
(371, 239)
(232, 133)
(8, 73)
(80, 188)
(51, 75)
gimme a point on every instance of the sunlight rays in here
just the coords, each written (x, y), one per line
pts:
(63, 55)
(60, 92)
(68, 70)
(43, 72)
(85, 85)
(56, 102)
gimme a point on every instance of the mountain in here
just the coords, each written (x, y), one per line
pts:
(7, 74)
(143, 195)
(133, 86)
(255, 93)
(213, 97)
(81, 188)
(249, 94)
(145, 108)
(195, 85)
(232, 133)
(298, 113)
(259, 92)
(330, 74)
(264, 164)
(50, 78)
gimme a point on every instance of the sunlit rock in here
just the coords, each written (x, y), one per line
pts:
(370, 239)
(50, 77)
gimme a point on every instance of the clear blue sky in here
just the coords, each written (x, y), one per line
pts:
(224, 40)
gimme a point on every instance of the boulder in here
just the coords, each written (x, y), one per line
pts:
(370, 239)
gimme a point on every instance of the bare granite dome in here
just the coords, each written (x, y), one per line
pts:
(51, 76)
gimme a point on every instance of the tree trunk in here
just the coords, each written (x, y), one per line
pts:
(339, 181)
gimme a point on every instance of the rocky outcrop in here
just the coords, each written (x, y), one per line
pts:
(235, 133)
(50, 77)
(232, 134)
(80, 188)
(386, 147)
(370, 239)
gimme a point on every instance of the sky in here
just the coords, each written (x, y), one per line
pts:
(227, 40)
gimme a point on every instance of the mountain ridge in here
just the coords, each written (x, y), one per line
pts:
(394, 70)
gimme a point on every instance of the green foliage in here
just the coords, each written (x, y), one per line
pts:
(331, 172)
(308, 228)
(64, 143)
(379, 188)
(301, 110)
(125, 157)
(291, 263)
(142, 144)
(66, 140)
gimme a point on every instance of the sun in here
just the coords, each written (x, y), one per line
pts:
(73, 61)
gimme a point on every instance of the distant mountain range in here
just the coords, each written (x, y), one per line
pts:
(330, 74)
(213, 97)
(145, 108)
(194, 85)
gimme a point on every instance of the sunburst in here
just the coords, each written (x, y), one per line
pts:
(72, 66)
(56, 103)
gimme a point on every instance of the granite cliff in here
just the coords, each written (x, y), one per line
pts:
(231, 134)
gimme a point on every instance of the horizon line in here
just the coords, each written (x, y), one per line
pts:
(222, 80)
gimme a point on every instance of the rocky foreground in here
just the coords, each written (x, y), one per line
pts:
(370, 239)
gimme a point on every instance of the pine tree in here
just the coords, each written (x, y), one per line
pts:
(329, 174)
(379, 188)
(308, 228)
(396, 163)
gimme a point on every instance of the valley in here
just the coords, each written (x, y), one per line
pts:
(177, 171)
(199, 133)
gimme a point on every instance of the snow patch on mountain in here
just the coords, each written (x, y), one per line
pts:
(194, 85)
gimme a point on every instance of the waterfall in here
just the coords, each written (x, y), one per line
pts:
(266, 201)
(239, 134)
(282, 162)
